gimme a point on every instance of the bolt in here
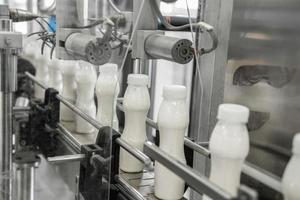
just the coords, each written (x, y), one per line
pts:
(8, 41)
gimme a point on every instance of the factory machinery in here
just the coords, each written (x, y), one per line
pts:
(37, 128)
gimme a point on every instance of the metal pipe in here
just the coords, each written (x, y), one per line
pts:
(79, 112)
(21, 109)
(114, 7)
(68, 137)
(253, 171)
(25, 183)
(198, 182)
(136, 66)
(149, 121)
(65, 158)
(35, 80)
(262, 176)
(129, 189)
(196, 147)
(26, 162)
(169, 48)
(135, 152)
(8, 85)
(6, 143)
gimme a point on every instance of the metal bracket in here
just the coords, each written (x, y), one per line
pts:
(39, 132)
(90, 180)
(100, 165)
(10, 40)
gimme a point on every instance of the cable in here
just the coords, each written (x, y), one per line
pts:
(112, 20)
(191, 25)
(96, 23)
(114, 7)
(52, 29)
(197, 57)
(42, 26)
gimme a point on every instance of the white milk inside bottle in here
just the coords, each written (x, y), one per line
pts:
(291, 175)
(42, 71)
(55, 76)
(229, 146)
(68, 69)
(136, 105)
(173, 120)
(107, 90)
(86, 78)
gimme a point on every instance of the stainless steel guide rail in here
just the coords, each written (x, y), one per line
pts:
(129, 189)
(258, 174)
(196, 181)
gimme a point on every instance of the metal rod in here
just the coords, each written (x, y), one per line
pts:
(253, 171)
(68, 137)
(6, 143)
(131, 190)
(198, 182)
(21, 109)
(79, 112)
(135, 152)
(25, 164)
(149, 121)
(262, 176)
(196, 147)
(25, 183)
(136, 66)
(35, 80)
(66, 158)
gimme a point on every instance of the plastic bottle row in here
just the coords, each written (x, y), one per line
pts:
(229, 141)
(77, 81)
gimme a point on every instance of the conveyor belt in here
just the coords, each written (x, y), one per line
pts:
(142, 182)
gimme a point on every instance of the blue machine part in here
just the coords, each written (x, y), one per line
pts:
(52, 23)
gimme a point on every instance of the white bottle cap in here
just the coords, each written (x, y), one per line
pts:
(138, 79)
(233, 113)
(174, 92)
(296, 144)
(109, 68)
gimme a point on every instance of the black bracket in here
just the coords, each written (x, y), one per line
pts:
(26, 158)
(101, 164)
(39, 133)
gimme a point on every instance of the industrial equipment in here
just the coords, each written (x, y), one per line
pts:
(137, 36)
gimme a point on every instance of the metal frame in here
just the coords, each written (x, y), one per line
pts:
(201, 123)
(212, 69)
